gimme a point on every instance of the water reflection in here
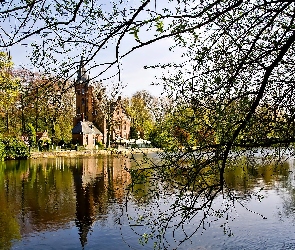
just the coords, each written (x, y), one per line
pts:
(248, 187)
(48, 194)
(59, 194)
(244, 177)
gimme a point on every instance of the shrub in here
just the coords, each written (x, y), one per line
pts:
(99, 144)
(14, 148)
(2, 151)
(31, 135)
(44, 143)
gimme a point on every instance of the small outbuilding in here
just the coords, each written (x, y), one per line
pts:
(86, 134)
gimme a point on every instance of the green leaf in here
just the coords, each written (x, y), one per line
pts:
(134, 31)
(159, 25)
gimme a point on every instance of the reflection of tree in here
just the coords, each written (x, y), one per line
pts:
(37, 192)
(187, 197)
(46, 194)
(141, 185)
(244, 177)
(288, 183)
(49, 196)
(9, 227)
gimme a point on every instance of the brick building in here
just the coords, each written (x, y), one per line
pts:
(95, 116)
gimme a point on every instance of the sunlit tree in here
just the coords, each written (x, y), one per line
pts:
(139, 108)
(9, 91)
(238, 64)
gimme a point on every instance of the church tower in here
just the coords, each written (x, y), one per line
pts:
(90, 124)
(84, 96)
(84, 131)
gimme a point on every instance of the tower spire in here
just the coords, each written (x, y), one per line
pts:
(82, 75)
(79, 76)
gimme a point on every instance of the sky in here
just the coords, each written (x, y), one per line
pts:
(139, 78)
(133, 74)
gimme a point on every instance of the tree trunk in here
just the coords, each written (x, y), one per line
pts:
(23, 115)
(36, 111)
(7, 122)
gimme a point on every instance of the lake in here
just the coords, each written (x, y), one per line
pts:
(82, 203)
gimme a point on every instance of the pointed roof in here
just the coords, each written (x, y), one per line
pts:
(82, 74)
(95, 129)
(85, 127)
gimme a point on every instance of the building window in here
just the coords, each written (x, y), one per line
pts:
(83, 101)
(78, 110)
(83, 91)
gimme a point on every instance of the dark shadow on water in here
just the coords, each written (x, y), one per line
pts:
(84, 208)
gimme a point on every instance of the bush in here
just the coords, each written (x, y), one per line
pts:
(31, 135)
(2, 151)
(14, 148)
(81, 148)
(44, 143)
(99, 144)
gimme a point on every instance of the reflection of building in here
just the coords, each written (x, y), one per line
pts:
(49, 194)
(97, 181)
(85, 203)
(90, 122)
(120, 177)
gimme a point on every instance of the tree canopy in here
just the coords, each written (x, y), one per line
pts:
(235, 84)
(139, 108)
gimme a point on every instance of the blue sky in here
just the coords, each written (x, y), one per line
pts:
(133, 73)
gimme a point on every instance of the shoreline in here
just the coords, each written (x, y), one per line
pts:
(94, 152)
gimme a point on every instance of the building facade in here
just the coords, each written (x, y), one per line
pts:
(96, 117)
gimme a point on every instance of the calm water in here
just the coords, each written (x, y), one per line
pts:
(81, 203)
